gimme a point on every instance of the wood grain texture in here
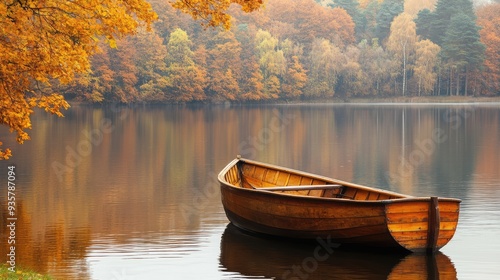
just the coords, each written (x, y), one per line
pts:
(347, 213)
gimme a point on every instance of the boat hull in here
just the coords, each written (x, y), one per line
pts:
(398, 221)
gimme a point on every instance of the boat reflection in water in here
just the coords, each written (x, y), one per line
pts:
(278, 258)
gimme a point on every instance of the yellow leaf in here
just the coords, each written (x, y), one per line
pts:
(112, 43)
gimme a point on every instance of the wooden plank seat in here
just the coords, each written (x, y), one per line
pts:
(300, 188)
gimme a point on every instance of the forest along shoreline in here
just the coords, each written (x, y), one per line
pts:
(302, 49)
(374, 100)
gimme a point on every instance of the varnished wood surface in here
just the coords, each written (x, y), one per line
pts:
(347, 213)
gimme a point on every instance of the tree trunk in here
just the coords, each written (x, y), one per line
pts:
(450, 89)
(404, 69)
(458, 83)
(439, 84)
(466, 79)
(419, 85)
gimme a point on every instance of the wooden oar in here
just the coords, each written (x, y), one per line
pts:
(300, 188)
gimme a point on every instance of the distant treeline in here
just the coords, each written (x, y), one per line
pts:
(303, 49)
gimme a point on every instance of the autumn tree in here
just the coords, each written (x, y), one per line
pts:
(251, 80)
(373, 61)
(223, 86)
(49, 41)
(350, 76)
(223, 66)
(335, 24)
(401, 43)
(271, 61)
(369, 15)
(113, 75)
(295, 76)
(344, 27)
(132, 71)
(425, 65)
(324, 64)
(489, 20)
(412, 7)
(295, 79)
(150, 65)
(101, 77)
(45, 40)
(214, 12)
(186, 80)
(123, 61)
(253, 88)
(169, 18)
(93, 86)
(352, 8)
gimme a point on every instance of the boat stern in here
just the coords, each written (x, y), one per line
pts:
(422, 224)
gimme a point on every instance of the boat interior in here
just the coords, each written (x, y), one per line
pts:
(263, 178)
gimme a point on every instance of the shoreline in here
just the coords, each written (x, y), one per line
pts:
(22, 273)
(428, 99)
(408, 101)
(411, 100)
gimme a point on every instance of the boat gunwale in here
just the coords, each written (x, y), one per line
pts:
(405, 198)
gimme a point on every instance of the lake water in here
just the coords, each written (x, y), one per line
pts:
(131, 193)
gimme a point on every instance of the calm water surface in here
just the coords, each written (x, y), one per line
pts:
(131, 193)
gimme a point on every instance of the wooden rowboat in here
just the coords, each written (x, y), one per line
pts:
(273, 200)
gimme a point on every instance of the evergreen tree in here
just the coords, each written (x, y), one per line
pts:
(351, 6)
(433, 25)
(424, 22)
(369, 21)
(453, 27)
(440, 19)
(462, 48)
(461, 43)
(388, 10)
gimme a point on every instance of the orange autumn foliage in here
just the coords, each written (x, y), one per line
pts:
(489, 20)
(43, 41)
(214, 12)
(50, 41)
(412, 7)
(364, 3)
